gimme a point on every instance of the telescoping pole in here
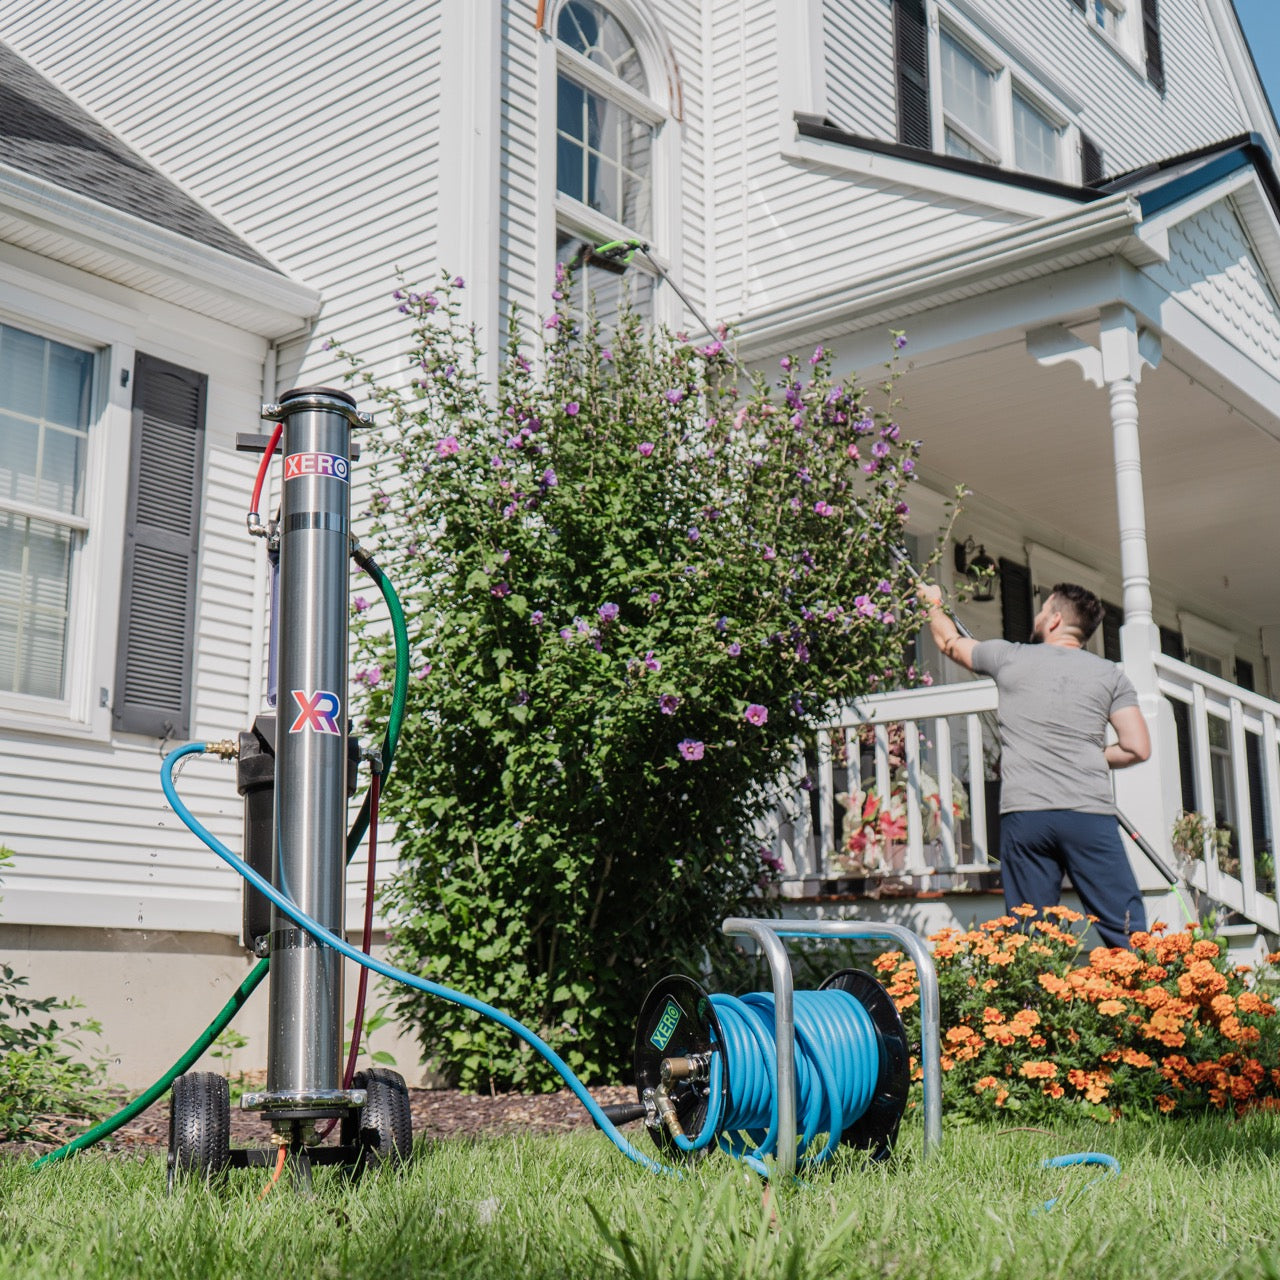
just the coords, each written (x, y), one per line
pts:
(305, 1029)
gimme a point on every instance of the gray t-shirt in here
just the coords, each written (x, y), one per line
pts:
(1054, 706)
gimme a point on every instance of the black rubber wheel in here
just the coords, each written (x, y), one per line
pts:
(386, 1121)
(200, 1125)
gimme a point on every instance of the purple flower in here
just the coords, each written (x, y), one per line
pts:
(551, 322)
(806, 783)
(447, 446)
(606, 354)
(770, 553)
(537, 617)
(424, 671)
(711, 349)
(880, 449)
(887, 618)
(565, 633)
(864, 606)
(691, 749)
(674, 396)
(668, 703)
(370, 676)
(756, 714)
(549, 479)
(327, 345)
(694, 535)
(785, 363)
(650, 662)
(644, 448)
(884, 587)
(818, 353)
(459, 282)
(360, 604)
(899, 341)
(654, 597)
(772, 861)
(802, 652)
(902, 509)
(908, 466)
(822, 509)
(500, 590)
(734, 649)
(608, 611)
(572, 408)
(722, 624)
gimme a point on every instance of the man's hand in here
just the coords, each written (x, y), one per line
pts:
(946, 635)
(1133, 744)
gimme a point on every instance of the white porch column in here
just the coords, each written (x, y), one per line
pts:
(1148, 794)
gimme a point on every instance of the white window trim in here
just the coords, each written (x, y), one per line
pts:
(95, 585)
(558, 211)
(1127, 38)
(1011, 73)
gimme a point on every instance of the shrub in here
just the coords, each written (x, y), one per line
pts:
(1032, 1025)
(631, 586)
(40, 1072)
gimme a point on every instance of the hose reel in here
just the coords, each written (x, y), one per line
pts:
(706, 1069)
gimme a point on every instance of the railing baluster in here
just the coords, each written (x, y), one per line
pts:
(946, 811)
(826, 802)
(803, 823)
(1244, 810)
(882, 764)
(915, 827)
(977, 791)
(1203, 772)
(1271, 788)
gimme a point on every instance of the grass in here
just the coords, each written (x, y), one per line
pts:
(1194, 1199)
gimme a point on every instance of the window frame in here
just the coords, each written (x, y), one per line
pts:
(576, 218)
(1126, 35)
(84, 709)
(1006, 83)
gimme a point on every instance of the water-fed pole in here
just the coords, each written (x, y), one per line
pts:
(305, 1026)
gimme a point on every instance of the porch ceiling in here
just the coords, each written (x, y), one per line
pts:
(1037, 442)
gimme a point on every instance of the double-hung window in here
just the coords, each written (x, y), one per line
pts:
(46, 392)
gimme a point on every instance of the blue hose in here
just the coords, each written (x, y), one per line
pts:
(329, 939)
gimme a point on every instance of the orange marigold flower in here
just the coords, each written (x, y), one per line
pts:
(1037, 1042)
(1155, 973)
(1111, 1007)
(987, 1082)
(959, 1035)
(1053, 1091)
(1112, 1055)
(972, 982)
(887, 961)
(1222, 1005)
(990, 985)
(1140, 941)
(1273, 957)
(992, 1014)
(1038, 1070)
(1026, 911)
(1165, 1103)
(1054, 985)
(1204, 949)
(1001, 1096)
(1136, 1058)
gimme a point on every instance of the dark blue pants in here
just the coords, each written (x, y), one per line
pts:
(1037, 847)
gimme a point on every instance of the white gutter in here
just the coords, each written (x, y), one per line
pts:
(82, 221)
(1105, 221)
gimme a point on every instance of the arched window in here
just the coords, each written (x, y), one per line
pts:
(608, 155)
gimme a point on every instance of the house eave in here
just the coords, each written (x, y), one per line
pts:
(1102, 229)
(50, 220)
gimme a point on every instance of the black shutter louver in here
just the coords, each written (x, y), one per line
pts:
(1090, 161)
(1253, 764)
(1151, 40)
(158, 591)
(1112, 621)
(1079, 4)
(911, 61)
(1017, 609)
(1172, 647)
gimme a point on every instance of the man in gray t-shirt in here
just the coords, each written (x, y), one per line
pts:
(1056, 810)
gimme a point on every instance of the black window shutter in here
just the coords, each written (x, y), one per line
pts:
(1253, 763)
(1112, 621)
(911, 59)
(1079, 4)
(1151, 36)
(1090, 161)
(1172, 647)
(158, 593)
(1017, 610)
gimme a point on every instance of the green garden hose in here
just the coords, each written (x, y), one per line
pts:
(395, 720)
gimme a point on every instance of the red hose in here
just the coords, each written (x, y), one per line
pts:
(262, 467)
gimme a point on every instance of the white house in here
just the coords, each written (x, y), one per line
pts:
(1071, 206)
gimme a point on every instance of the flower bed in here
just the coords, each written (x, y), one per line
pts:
(1032, 1024)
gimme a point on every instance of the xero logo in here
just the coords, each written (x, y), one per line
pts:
(318, 712)
(297, 465)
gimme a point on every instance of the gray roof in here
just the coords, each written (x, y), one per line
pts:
(46, 133)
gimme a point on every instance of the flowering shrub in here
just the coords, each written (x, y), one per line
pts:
(1031, 1024)
(631, 583)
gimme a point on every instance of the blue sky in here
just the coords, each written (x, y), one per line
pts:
(1261, 22)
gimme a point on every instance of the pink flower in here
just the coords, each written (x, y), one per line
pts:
(572, 408)
(449, 445)
(645, 448)
(756, 714)
(691, 749)
(668, 703)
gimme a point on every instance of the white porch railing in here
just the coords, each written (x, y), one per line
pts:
(941, 755)
(1238, 716)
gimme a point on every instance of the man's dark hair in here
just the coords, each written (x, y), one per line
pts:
(1080, 608)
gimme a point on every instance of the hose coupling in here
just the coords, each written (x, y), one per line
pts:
(695, 1068)
(224, 749)
(666, 1110)
(373, 755)
(253, 522)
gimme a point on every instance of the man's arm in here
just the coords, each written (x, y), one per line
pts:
(1133, 744)
(946, 635)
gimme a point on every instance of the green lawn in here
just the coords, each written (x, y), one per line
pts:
(1194, 1199)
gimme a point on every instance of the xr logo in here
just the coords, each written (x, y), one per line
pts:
(318, 712)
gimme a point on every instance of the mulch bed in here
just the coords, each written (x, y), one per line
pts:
(437, 1114)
